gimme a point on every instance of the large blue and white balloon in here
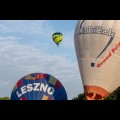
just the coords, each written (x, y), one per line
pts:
(38, 86)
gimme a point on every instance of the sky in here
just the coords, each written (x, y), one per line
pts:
(26, 46)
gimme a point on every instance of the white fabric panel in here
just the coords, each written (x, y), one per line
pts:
(90, 39)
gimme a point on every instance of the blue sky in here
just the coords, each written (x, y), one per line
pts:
(26, 46)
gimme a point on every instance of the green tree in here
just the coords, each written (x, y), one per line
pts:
(115, 95)
(5, 98)
(80, 97)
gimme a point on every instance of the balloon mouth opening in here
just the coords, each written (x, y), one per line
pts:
(94, 96)
(95, 93)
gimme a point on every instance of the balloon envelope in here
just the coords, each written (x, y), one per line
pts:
(97, 45)
(38, 86)
(57, 37)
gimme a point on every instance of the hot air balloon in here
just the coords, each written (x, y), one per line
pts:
(57, 38)
(38, 86)
(97, 45)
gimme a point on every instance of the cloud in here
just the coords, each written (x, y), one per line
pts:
(34, 31)
(3, 83)
(68, 40)
(29, 27)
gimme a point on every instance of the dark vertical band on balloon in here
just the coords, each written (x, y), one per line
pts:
(82, 24)
(109, 42)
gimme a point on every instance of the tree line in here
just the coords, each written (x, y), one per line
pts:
(5, 98)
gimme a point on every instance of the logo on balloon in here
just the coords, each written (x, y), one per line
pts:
(35, 87)
(113, 50)
(97, 30)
